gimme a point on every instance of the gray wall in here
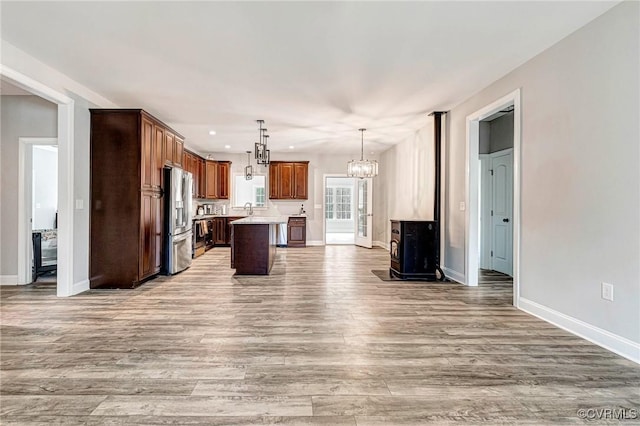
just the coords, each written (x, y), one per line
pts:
(22, 116)
(580, 176)
(45, 187)
(404, 188)
(497, 134)
(81, 135)
(501, 133)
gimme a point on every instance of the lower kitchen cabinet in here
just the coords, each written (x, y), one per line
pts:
(297, 232)
(151, 238)
(220, 231)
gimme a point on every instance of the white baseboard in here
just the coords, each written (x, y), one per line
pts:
(617, 344)
(8, 280)
(382, 244)
(454, 275)
(315, 243)
(79, 287)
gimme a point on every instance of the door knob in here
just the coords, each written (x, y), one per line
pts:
(505, 219)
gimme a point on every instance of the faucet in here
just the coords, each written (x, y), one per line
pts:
(250, 208)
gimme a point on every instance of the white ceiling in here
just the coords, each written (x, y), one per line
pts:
(315, 71)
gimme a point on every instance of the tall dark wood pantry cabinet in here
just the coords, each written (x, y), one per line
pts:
(127, 158)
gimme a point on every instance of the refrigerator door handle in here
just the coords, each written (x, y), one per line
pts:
(183, 236)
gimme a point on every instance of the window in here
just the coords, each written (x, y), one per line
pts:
(261, 195)
(343, 203)
(338, 203)
(328, 202)
(249, 191)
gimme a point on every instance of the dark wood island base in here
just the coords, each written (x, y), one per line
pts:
(253, 245)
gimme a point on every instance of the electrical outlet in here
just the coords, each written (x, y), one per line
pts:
(607, 291)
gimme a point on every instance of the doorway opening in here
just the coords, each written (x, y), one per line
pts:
(347, 210)
(65, 223)
(339, 210)
(493, 186)
(496, 192)
(42, 208)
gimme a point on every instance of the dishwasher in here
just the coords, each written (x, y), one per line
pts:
(282, 235)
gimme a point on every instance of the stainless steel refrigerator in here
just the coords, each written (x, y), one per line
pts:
(178, 220)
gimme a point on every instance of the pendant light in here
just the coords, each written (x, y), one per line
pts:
(267, 153)
(248, 171)
(362, 168)
(261, 152)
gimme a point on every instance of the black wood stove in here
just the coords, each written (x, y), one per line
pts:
(414, 250)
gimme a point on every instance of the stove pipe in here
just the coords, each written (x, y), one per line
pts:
(437, 142)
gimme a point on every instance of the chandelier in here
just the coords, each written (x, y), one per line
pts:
(362, 168)
(263, 155)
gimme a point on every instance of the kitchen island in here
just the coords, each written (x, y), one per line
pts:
(253, 244)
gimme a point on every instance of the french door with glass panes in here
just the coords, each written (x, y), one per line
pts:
(364, 212)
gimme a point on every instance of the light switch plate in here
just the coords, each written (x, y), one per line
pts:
(79, 204)
(462, 206)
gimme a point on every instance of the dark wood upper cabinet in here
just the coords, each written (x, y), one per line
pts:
(211, 172)
(274, 181)
(217, 181)
(127, 157)
(223, 170)
(202, 178)
(169, 142)
(148, 157)
(288, 180)
(211, 179)
(173, 147)
(186, 165)
(190, 164)
(195, 171)
(300, 184)
(158, 157)
(178, 147)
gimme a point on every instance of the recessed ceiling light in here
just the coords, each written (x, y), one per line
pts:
(227, 146)
(290, 146)
(212, 132)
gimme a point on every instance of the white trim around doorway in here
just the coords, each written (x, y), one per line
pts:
(472, 188)
(65, 139)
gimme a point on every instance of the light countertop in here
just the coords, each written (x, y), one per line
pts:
(211, 216)
(260, 220)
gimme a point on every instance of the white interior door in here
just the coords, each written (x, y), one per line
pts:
(364, 213)
(502, 219)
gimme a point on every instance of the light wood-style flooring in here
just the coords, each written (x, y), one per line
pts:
(322, 341)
